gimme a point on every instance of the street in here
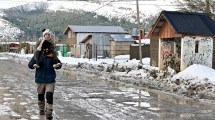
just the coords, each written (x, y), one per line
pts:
(82, 96)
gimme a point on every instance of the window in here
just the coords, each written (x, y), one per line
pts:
(197, 47)
(69, 34)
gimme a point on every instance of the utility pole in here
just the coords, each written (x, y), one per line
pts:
(140, 47)
(54, 39)
(138, 28)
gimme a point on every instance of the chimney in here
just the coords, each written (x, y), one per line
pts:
(142, 33)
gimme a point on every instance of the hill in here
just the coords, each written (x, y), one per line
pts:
(56, 15)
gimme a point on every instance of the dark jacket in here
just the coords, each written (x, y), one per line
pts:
(46, 73)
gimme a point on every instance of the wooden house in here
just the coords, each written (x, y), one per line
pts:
(13, 47)
(99, 35)
(180, 39)
(10, 46)
(113, 45)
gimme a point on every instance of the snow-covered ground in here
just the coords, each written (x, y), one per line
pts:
(197, 81)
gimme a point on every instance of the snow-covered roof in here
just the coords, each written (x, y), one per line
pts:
(122, 37)
(31, 43)
(9, 42)
(144, 41)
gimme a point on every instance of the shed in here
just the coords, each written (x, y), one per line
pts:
(135, 49)
(99, 34)
(180, 39)
(120, 44)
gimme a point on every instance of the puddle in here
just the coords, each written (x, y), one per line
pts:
(6, 95)
(116, 93)
(35, 117)
(4, 109)
(4, 88)
(69, 75)
(186, 115)
(110, 100)
(95, 93)
(139, 104)
(164, 104)
(8, 99)
(154, 108)
(23, 103)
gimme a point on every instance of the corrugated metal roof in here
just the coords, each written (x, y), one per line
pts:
(190, 22)
(122, 37)
(97, 29)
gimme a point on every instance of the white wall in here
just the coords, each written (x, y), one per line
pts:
(188, 55)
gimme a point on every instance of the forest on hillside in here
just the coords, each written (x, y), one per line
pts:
(32, 21)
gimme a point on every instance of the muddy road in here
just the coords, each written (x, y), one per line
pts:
(81, 96)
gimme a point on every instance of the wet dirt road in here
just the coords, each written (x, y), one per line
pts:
(81, 96)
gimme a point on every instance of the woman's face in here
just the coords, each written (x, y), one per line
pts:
(47, 36)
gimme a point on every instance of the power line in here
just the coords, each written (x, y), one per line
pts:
(143, 4)
(102, 6)
(94, 10)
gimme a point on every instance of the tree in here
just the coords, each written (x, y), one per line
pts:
(207, 6)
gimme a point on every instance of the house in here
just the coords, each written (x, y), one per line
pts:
(13, 47)
(10, 46)
(180, 39)
(99, 35)
(113, 45)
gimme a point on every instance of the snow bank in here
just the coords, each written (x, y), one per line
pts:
(196, 72)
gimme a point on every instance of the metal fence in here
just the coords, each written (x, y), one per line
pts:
(95, 51)
(107, 51)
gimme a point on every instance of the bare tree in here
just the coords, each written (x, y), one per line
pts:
(41, 6)
(207, 6)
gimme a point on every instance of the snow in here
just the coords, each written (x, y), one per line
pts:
(121, 9)
(8, 32)
(108, 8)
(4, 4)
(196, 71)
(143, 41)
(198, 76)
